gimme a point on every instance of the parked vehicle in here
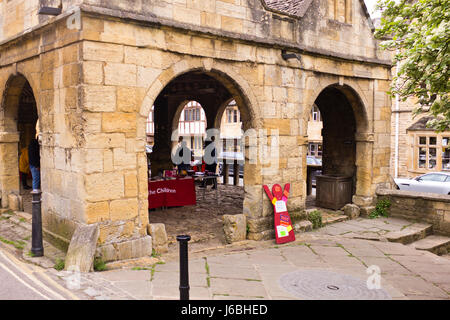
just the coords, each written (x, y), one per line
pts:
(314, 162)
(310, 160)
(434, 182)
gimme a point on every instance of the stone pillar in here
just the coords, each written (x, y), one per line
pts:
(160, 157)
(9, 165)
(365, 190)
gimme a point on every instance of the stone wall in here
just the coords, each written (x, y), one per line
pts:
(95, 84)
(425, 207)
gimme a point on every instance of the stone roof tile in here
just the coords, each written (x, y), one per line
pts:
(292, 7)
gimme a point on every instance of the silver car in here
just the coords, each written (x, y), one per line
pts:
(435, 182)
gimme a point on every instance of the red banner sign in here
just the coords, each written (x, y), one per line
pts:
(171, 193)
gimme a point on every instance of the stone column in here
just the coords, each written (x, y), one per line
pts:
(9, 165)
(160, 157)
(364, 173)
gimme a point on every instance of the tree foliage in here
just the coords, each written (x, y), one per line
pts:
(419, 33)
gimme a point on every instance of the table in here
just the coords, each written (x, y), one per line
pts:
(171, 193)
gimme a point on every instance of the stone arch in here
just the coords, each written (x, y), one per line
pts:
(177, 116)
(235, 83)
(221, 111)
(351, 90)
(363, 138)
(10, 101)
(10, 136)
(180, 109)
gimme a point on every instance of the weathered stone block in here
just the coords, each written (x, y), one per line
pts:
(159, 237)
(351, 210)
(123, 209)
(118, 122)
(99, 98)
(235, 227)
(104, 186)
(102, 51)
(119, 74)
(97, 212)
(303, 226)
(15, 202)
(82, 248)
(365, 211)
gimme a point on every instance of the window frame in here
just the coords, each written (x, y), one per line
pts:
(417, 145)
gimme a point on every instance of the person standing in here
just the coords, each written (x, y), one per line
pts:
(211, 159)
(184, 155)
(35, 163)
(24, 168)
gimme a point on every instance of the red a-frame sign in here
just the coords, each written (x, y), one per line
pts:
(284, 231)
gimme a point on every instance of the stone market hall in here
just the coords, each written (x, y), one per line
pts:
(91, 71)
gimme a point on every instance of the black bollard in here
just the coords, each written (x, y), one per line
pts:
(37, 248)
(184, 269)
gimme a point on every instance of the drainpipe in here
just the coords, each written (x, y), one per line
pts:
(397, 130)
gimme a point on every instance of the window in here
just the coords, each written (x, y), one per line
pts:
(434, 177)
(446, 153)
(427, 152)
(197, 114)
(431, 152)
(232, 115)
(340, 10)
(315, 114)
(315, 150)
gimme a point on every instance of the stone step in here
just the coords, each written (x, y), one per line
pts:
(330, 219)
(303, 226)
(27, 216)
(411, 233)
(436, 244)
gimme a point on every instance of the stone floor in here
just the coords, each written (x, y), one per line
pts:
(405, 273)
(204, 220)
(255, 270)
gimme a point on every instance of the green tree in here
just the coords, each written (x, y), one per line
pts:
(419, 33)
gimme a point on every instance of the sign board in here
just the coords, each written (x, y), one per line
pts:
(284, 232)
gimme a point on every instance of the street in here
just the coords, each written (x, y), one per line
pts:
(20, 281)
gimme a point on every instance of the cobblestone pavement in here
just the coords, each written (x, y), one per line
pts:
(253, 270)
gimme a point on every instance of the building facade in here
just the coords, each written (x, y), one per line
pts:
(416, 149)
(98, 68)
(315, 126)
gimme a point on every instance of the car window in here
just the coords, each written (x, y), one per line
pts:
(434, 177)
(448, 179)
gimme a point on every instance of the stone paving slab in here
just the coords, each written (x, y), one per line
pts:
(224, 271)
(246, 276)
(238, 287)
(406, 273)
(434, 243)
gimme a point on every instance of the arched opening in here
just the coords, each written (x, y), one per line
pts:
(336, 118)
(231, 162)
(191, 124)
(192, 106)
(19, 120)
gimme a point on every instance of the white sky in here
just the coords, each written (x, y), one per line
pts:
(370, 4)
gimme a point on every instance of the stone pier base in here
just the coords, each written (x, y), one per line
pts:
(129, 249)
